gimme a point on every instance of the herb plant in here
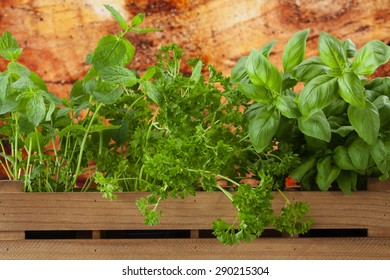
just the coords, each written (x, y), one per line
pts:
(337, 124)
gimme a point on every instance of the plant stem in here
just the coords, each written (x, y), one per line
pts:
(284, 196)
(83, 145)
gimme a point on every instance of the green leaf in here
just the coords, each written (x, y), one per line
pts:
(267, 48)
(4, 80)
(359, 153)
(351, 89)
(366, 121)
(341, 158)
(35, 108)
(118, 75)
(239, 74)
(309, 69)
(152, 92)
(382, 103)
(380, 155)
(38, 81)
(287, 106)
(118, 17)
(304, 167)
(34, 141)
(294, 52)
(262, 72)
(259, 94)
(370, 57)
(69, 128)
(349, 48)
(149, 73)
(347, 181)
(197, 72)
(331, 51)
(137, 20)
(326, 173)
(316, 126)
(9, 104)
(317, 94)
(130, 50)
(380, 85)
(18, 69)
(9, 47)
(262, 128)
(110, 51)
(107, 94)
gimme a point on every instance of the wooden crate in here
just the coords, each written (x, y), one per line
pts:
(91, 219)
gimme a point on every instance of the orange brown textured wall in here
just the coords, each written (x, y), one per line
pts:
(57, 35)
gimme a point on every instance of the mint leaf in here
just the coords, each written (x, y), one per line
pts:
(119, 75)
(107, 93)
(110, 51)
(137, 20)
(294, 52)
(9, 47)
(35, 108)
(18, 69)
(4, 81)
(118, 17)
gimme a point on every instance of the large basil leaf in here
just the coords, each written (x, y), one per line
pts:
(380, 155)
(366, 121)
(351, 89)
(304, 167)
(263, 127)
(267, 48)
(331, 51)
(382, 103)
(239, 74)
(317, 94)
(359, 153)
(347, 181)
(341, 158)
(257, 93)
(316, 126)
(294, 52)
(309, 69)
(326, 173)
(262, 72)
(287, 106)
(370, 57)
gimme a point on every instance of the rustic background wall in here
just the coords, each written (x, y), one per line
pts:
(57, 35)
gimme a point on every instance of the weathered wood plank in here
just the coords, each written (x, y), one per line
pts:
(263, 248)
(89, 211)
(57, 35)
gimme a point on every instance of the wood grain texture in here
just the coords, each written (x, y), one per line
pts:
(57, 35)
(89, 211)
(264, 248)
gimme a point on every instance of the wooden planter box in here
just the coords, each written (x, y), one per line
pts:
(91, 221)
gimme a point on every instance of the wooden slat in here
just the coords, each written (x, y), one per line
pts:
(264, 248)
(88, 211)
(11, 187)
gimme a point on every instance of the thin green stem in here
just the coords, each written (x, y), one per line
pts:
(284, 196)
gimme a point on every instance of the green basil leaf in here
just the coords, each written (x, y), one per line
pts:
(259, 94)
(347, 181)
(380, 85)
(349, 47)
(118, 17)
(316, 126)
(331, 51)
(262, 128)
(366, 121)
(304, 167)
(239, 74)
(294, 52)
(351, 89)
(341, 158)
(326, 173)
(118, 75)
(380, 155)
(317, 94)
(359, 153)
(382, 103)
(267, 48)
(309, 69)
(262, 72)
(287, 106)
(370, 57)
